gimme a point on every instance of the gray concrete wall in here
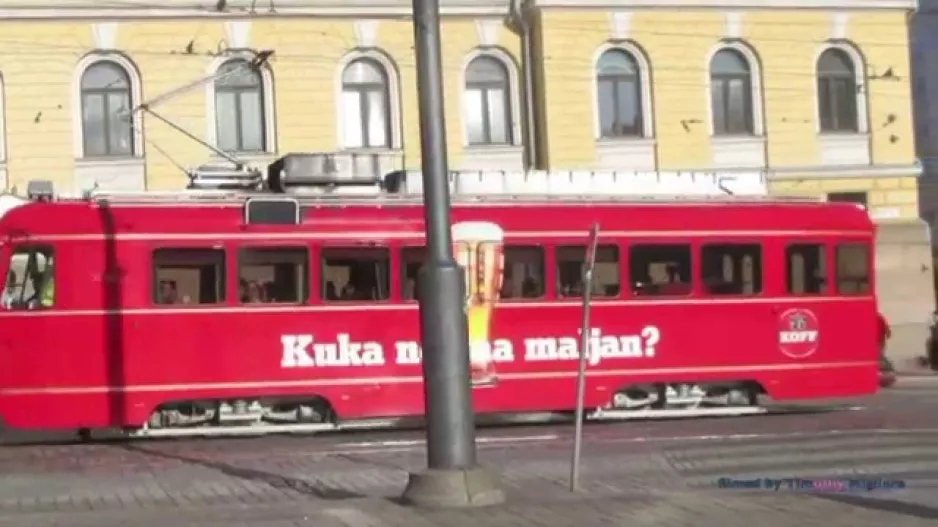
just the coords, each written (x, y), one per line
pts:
(906, 288)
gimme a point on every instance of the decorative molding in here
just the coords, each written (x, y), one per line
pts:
(733, 25)
(620, 25)
(366, 33)
(844, 172)
(236, 9)
(728, 4)
(755, 68)
(839, 22)
(104, 35)
(644, 66)
(267, 83)
(238, 34)
(394, 89)
(859, 68)
(487, 31)
(514, 93)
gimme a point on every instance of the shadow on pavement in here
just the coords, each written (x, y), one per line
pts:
(309, 488)
(879, 504)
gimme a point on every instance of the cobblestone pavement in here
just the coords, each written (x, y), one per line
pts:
(636, 474)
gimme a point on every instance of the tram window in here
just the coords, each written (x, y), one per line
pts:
(571, 262)
(188, 276)
(660, 269)
(523, 273)
(806, 269)
(732, 269)
(355, 274)
(853, 268)
(411, 260)
(30, 283)
(273, 275)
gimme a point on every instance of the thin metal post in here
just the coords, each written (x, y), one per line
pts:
(584, 357)
(441, 282)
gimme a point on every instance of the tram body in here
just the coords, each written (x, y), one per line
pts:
(152, 325)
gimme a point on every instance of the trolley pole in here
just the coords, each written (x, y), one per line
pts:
(453, 478)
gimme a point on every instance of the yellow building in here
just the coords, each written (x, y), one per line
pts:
(819, 99)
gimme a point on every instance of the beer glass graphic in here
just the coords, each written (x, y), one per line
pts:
(477, 247)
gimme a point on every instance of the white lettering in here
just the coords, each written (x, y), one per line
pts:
(295, 354)
(797, 337)
(303, 351)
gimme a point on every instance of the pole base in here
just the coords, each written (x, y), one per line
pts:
(453, 489)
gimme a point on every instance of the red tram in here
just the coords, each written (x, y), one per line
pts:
(218, 311)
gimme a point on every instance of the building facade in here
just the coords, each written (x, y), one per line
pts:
(817, 98)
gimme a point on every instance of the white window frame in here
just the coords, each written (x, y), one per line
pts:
(514, 95)
(269, 105)
(394, 97)
(755, 83)
(136, 94)
(644, 67)
(859, 70)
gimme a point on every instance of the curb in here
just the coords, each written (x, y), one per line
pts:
(916, 380)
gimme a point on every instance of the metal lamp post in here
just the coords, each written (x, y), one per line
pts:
(453, 477)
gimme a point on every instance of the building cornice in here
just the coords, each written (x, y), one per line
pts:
(202, 9)
(826, 5)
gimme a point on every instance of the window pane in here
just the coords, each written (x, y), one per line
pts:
(364, 71)
(729, 62)
(273, 275)
(732, 269)
(93, 129)
(472, 111)
(825, 110)
(226, 120)
(188, 277)
(853, 272)
(607, 107)
(30, 281)
(571, 263)
(660, 270)
(846, 94)
(719, 108)
(352, 133)
(628, 106)
(105, 76)
(498, 117)
(119, 123)
(486, 70)
(377, 119)
(738, 111)
(355, 274)
(252, 122)
(617, 62)
(806, 269)
(523, 276)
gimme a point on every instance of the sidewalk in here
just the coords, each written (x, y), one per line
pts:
(288, 481)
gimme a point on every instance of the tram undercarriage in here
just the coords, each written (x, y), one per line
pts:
(309, 415)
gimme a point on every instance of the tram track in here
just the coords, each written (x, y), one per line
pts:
(532, 425)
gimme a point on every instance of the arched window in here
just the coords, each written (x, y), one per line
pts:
(106, 123)
(837, 92)
(619, 95)
(366, 105)
(239, 108)
(487, 102)
(731, 93)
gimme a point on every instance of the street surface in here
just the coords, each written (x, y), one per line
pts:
(662, 473)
